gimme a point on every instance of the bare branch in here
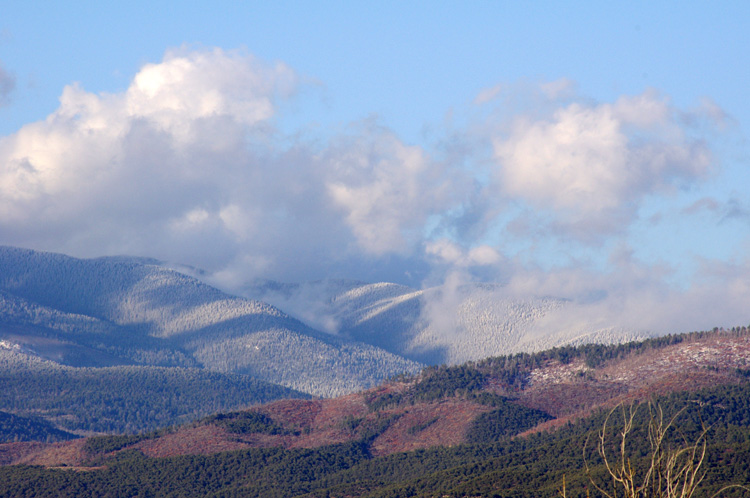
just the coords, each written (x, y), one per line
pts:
(672, 472)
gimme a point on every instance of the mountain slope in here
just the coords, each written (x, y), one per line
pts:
(14, 428)
(111, 311)
(127, 398)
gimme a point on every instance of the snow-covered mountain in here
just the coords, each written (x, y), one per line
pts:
(114, 311)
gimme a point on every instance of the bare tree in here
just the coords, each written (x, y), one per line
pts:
(670, 470)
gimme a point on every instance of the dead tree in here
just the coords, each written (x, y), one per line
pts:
(670, 470)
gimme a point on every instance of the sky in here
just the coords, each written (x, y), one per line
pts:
(591, 151)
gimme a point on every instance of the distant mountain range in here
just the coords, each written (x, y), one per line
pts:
(205, 393)
(122, 320)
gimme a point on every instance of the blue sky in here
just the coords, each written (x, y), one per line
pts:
(570, 149)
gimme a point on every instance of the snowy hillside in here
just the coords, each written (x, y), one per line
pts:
(112, 311)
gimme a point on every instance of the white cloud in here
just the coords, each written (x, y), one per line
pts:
(448, 252)
(188, 86)
(386, 189)
(186, 165)
(590, 165)
(162, 116)
(636, 297)
(558, 90)
(163, 159)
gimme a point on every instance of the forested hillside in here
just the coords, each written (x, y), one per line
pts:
(538, 465)
(447, 405)
(14, 428)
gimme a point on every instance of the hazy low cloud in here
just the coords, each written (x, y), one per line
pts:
(635, 296)
(189, 164)
(385, 189)
(722, 210)
(736, 209)
(448, 252)
(701, 205)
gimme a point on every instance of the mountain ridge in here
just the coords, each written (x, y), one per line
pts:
(124, 321)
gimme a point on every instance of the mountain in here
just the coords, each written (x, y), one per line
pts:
(444, 324)
(114, 311)
(137, 311)
(520, 425)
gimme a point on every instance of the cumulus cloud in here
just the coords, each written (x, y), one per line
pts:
(185, 88)
(191, 103)
(162, 160)
(385, 189)
(188, 164)
(590, 164)
(7, 85)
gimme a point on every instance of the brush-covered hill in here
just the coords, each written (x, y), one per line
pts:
(507, 426)
(476, 402)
